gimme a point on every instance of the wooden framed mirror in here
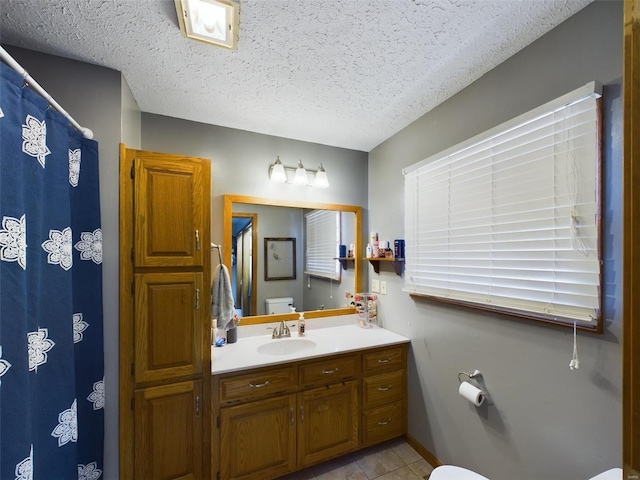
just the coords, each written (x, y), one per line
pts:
(333, 302)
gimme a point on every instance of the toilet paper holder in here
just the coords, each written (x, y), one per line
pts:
(475, 374)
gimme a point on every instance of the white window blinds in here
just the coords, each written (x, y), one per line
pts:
(509, 220)
(323, 238)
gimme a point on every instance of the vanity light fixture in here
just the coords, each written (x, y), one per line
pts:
(209, 21)
(278, 173)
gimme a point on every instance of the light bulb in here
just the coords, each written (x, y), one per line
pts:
(300, 177)
(278, 174)
(321, 180)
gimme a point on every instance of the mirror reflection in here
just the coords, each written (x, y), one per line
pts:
(285, 254)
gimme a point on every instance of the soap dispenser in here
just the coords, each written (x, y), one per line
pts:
(301, 325)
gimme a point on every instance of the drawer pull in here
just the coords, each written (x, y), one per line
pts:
(384, 389)
(386, 360)
(259, 385)
(293, 418)
(301, 413)
(384, 422)
(329, 372)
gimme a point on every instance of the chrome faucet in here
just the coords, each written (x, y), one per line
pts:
(283, 332)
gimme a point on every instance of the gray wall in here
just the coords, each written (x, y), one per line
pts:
(545, 421)
(92, 95)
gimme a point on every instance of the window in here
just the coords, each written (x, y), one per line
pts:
(510, 220)
(323, 238)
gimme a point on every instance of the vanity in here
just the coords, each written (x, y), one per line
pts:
(280, 405)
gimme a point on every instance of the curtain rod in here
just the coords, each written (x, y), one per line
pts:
(9, 60)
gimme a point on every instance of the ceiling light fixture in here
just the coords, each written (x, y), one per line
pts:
(209, 21)
(278, 173)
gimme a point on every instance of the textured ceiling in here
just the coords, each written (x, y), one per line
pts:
(348, 73)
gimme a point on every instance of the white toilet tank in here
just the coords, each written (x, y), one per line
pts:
(278, 305)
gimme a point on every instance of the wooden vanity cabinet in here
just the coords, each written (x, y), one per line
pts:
(274, 420)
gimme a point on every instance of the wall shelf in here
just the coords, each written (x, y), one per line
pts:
(398, 263)
(343, 261)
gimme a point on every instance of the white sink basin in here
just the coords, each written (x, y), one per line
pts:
(285, 346)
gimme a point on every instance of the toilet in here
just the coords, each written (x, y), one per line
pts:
(612, 474)
(278, 305)
(450, 472)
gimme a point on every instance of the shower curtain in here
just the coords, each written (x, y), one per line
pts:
(51, 347)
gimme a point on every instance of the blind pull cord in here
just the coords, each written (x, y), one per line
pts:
(574, 364)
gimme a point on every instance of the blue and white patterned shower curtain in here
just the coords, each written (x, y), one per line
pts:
(51, 346)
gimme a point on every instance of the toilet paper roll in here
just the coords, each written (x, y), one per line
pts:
(471, 393)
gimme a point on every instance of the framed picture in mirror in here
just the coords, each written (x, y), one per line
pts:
(279, 259)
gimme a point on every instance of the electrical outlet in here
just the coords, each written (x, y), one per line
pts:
(375, 286)
(383, 287)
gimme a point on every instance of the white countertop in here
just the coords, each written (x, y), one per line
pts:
(244, 354)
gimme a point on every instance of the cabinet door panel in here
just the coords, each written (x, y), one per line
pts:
(169, 210)
(168, 432)
(168, 326)
(327, 422)
(258, 439)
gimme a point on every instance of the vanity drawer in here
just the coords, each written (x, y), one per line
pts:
(383, 388)
(328, 370)
(257, 384)
(384, 360)
(383, 423)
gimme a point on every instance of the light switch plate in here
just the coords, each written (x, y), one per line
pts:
(375, 286)
(383, 287)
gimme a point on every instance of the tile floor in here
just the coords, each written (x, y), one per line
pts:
(392, 460)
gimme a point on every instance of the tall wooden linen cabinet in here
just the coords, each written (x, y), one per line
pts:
(165, 316)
